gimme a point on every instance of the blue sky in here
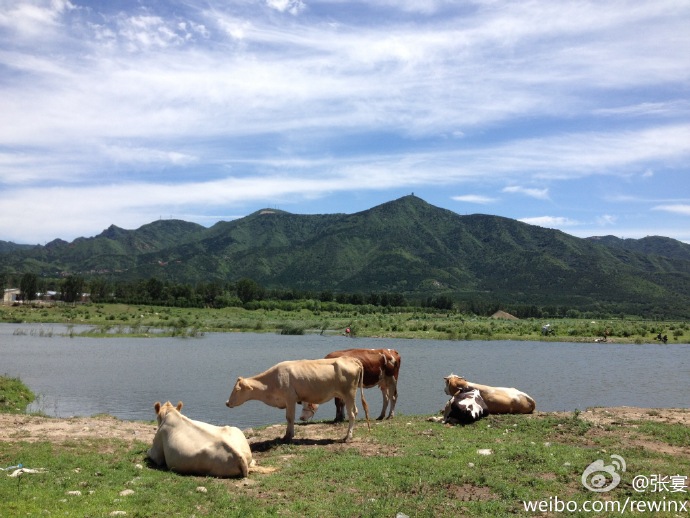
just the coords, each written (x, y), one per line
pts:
(568, 115)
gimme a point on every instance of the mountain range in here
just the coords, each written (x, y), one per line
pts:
(404, 246)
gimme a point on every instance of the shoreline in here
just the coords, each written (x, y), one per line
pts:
(36, 428)
(134, 321)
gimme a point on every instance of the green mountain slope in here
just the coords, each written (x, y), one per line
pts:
(113, 250)
(406, 246)
(650, 245)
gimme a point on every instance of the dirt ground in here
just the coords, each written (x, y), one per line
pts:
(27, 428)
(616, 415)
(22, 427)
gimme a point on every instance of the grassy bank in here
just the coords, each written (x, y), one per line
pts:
(407, 465)
(98, 467)
(134, 320)
(14, 395)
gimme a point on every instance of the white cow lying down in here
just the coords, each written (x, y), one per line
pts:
(196, 448)
(499, 400)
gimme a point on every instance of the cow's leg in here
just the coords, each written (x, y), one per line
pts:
(392, 395)
(447, 409)
(351, 406)
(384, 392)
(290, 417)
(339, 410)
(157, 452)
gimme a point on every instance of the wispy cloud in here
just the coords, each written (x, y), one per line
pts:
(308, 100)
(541, 194)
(606, 220)
(683, 210)
(550, 221)
(474, 198)
(671, 109)
(293, 7)
(33, 19)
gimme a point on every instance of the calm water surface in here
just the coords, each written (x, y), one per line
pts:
(125, 376)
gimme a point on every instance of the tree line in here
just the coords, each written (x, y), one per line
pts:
(250, 294)
(154, 291)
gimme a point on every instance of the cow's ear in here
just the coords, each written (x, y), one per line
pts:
(243, 384)
(179, 406)
(157, 407)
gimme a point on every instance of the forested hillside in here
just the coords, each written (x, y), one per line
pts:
(405, 246)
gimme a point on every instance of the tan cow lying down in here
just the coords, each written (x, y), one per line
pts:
(499, 400)
(312, 381)
(196, 448)
(381, 368)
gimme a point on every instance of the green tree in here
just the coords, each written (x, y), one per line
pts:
(326, 296)
(72, 288)
(154, 289)
(100, 290)
(28, 287)
(248, 290)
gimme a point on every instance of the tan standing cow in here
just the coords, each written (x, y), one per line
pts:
(499, 400)
(381, 367)
(313, 381)
(195, 448)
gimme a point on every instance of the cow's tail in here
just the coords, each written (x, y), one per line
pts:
(365, 406)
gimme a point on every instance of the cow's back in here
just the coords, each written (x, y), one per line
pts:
(195, 447)
(316, 381)
(378, 364)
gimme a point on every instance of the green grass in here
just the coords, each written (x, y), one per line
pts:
(14, 395)
(111, 320)
(672, 434)
(407, 465)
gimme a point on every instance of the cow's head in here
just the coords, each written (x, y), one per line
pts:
(472, 402)
(454, 383)
(163, 410)
(308, 411)
(240, 393)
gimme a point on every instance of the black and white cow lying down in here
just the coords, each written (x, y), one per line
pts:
(465, 407)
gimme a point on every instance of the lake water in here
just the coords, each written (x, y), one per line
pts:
(124, 376)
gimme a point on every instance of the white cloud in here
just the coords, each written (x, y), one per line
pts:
(672, 108)
(606, 219)
(140, 155)
(474, 198)
(363, 97)
(550, 221)
(293, 7)
(33, 19)
(683, 210)
(129, 205)
(540, 194)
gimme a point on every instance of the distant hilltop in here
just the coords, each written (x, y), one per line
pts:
(403, 246)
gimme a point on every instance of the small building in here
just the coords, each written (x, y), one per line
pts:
(10, 296)
(504, 316)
